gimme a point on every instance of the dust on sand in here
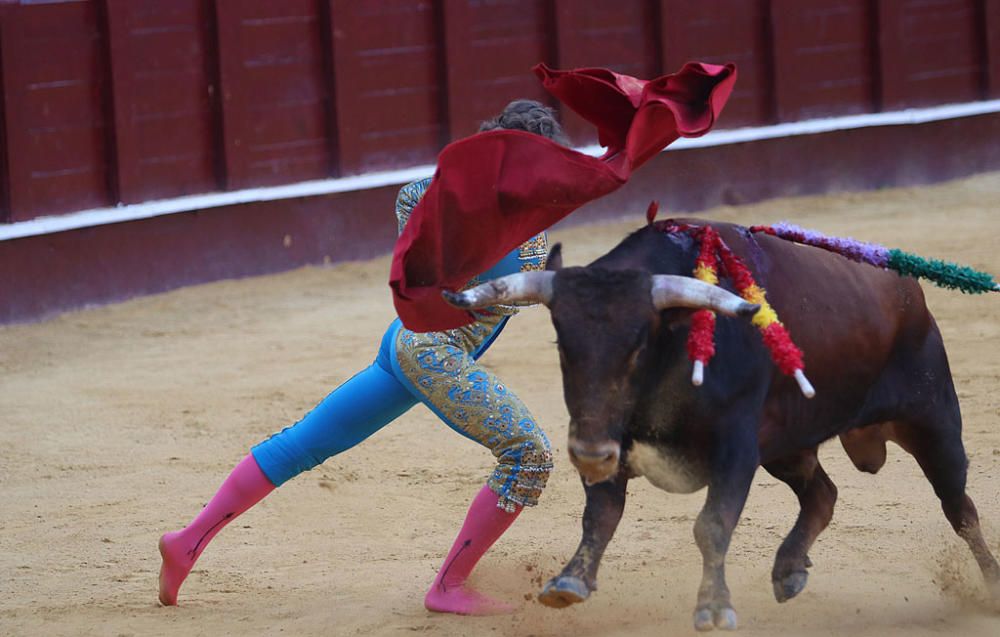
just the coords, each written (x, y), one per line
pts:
(118, 423)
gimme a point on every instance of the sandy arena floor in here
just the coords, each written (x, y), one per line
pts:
(118, 423)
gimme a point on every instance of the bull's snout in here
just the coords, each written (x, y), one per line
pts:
(596, 461)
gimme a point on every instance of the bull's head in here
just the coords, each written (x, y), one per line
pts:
(606, 322)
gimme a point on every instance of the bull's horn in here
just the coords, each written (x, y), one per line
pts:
(682, 291)
(523, 287)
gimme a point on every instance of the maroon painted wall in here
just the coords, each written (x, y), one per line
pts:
(490, 48)
(387, 61)
(123, 101)
(712, 31)
(108, 101)
(56, 109)
(932, 49)
(274, 91)
(44, 275)
(163, 78)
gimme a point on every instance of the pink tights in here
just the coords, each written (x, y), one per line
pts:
(247, 485)
(484, 524)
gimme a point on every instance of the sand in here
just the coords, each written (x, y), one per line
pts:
(118, 423)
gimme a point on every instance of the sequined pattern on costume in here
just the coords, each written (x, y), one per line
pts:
(407, 200)
(532, 255)
(477, 403)
(536, 247)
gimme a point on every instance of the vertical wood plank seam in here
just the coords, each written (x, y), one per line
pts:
(109, 110)
(655, 13)
(551, 29)
(770, 59)
(875, 63)
(5, 213)
(441, 71)
(213, 73)
(982, 36)
(327, 40)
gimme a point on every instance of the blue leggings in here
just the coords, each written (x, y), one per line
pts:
(370, 400)
(379, 394)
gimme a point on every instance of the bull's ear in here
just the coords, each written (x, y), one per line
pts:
(554, 261)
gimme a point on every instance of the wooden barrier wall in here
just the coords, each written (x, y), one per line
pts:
(123, 101)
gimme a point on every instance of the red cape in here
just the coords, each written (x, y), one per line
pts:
(495, 190)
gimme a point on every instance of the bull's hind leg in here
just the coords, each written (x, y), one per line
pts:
(817, 495)
(930, 428)
(603, 511)
(934, 439)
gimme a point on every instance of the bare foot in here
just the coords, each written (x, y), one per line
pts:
(177, 563)
(464, 601)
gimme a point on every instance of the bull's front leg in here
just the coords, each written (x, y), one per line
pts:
(733, 465)
(603, 511)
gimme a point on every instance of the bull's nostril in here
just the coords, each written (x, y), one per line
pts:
(594, 455)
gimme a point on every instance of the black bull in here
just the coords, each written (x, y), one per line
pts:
(872, 350)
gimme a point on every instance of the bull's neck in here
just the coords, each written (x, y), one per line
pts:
(653, 251)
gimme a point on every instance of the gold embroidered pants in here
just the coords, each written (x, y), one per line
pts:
(441, 369)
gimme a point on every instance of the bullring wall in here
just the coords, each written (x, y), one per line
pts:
(273, 133)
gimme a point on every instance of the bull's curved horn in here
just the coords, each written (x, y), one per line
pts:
(683, 291)
(523, 287)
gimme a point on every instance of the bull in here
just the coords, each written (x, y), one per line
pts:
(874, 353)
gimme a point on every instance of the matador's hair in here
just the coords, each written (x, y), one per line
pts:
(531, 116)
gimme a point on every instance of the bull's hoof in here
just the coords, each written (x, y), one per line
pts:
(564, 591)
(723, 618)
(789, 586)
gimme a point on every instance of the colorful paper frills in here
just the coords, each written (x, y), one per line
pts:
(701, 338)
(940, 273)
(714, 256)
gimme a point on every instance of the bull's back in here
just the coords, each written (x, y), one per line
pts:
(848, 318)
(852, 322)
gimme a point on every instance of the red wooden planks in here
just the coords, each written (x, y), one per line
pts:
(388, 72)
(491, 47)
(620, 36)
(163, 89)
(275, 94)
(54, 76)
(823, 58)
(4, 170)
(931, 52)
(991, 25)
(719, 32)
(130, 100)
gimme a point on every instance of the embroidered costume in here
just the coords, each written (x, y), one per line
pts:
(439, 369)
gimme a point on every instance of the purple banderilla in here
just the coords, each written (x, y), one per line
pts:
(871, 253)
